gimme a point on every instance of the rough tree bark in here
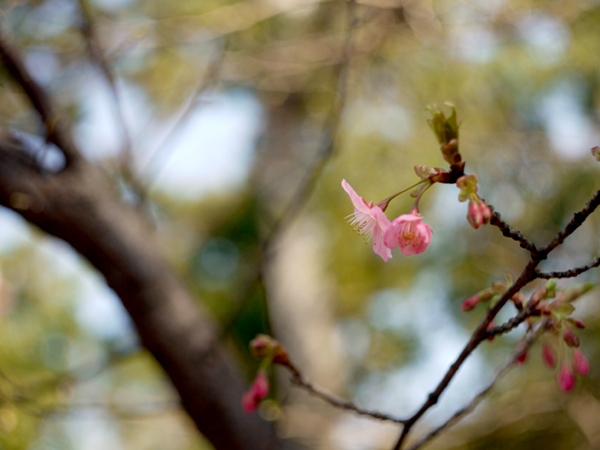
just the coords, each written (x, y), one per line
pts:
(81, 207)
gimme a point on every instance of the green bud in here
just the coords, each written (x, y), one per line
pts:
(550, 288)
(444, 128)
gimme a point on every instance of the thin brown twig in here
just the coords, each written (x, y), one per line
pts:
(577, 220)
(571, 272)
(525, 343)
(299, 380)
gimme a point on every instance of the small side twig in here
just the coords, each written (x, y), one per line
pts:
(299, 380)
(513, 322)
(571, 272)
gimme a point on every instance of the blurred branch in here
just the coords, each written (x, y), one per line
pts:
(211, 77)
(310, 177)
(57, 131)
(299, 380)
(330, 129)
(96, 53)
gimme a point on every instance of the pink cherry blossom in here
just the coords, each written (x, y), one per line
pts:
(565, 378)
(369, 220)
(258, 390)
(409, 233)
(580, 363)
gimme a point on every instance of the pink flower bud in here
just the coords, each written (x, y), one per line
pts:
(479, 213)
(570, 339)
(522, 357)
(470, 303)
(578, 323)
(596, 152)
(565, 378)
(409, 233)
(580, 363)
(258, 390)
(548, 356)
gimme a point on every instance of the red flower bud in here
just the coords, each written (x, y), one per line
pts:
(570, 339)
(580, 363)
(565, 378)
(258, 390)
(522, 357)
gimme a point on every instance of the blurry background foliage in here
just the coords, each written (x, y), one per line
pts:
(261, 76)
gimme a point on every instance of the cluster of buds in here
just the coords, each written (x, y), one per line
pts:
(270, 352)
(562, 350)
(408, 231)
(561, 347)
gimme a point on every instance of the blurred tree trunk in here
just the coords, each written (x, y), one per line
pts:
(77, 204)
